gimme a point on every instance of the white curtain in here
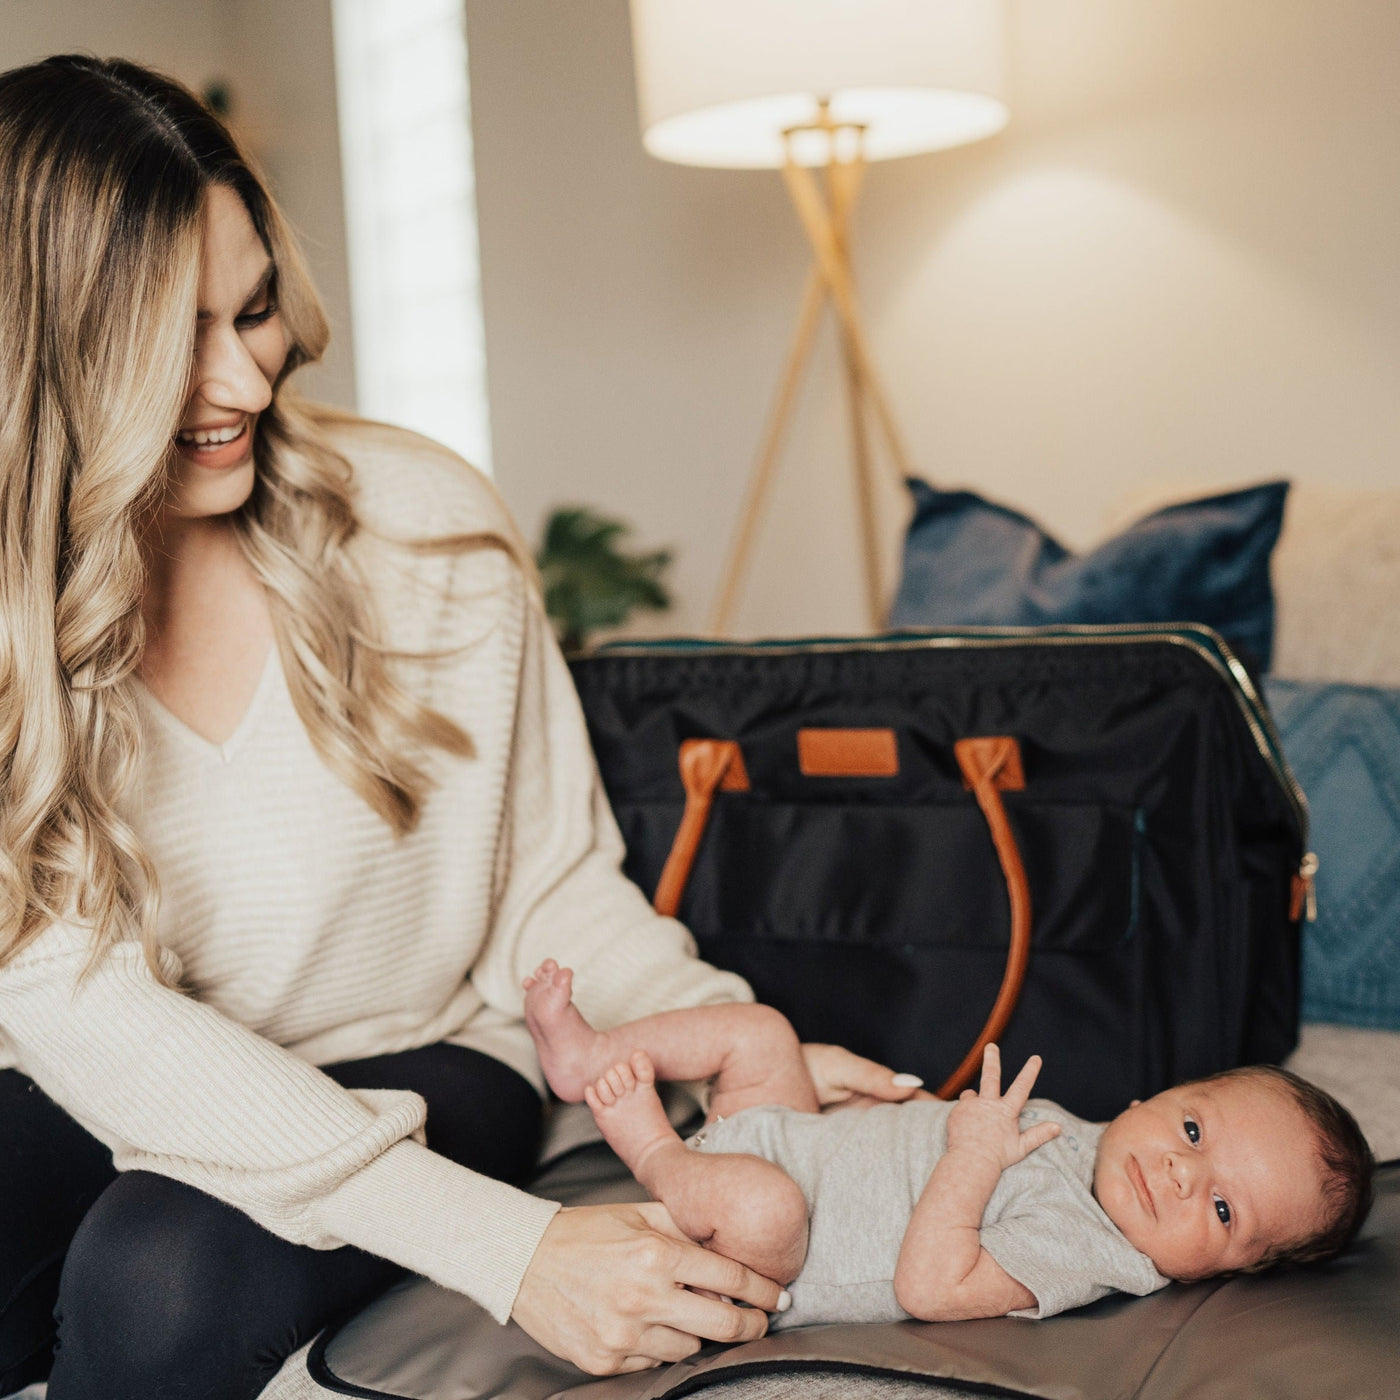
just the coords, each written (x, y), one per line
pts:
(406, 148)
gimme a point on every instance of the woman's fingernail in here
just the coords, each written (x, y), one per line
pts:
(907, 1081)
(784, 1301)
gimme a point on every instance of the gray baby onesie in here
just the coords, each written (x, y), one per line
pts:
(862, 1170)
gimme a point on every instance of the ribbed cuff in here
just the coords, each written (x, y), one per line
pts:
(463, 1230)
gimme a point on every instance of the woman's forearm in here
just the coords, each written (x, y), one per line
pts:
(177, 1088)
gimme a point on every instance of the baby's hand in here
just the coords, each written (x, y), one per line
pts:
(985, 1121)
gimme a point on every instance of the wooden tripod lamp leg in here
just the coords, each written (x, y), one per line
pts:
(843, 179)
(802, 186)
(826, 223)
(761, 479)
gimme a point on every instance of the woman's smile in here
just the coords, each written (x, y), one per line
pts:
(217, 446)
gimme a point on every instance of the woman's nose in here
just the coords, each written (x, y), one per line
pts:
(227, 375)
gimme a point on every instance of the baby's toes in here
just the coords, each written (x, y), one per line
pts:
(625, 1079)
(642, 1068)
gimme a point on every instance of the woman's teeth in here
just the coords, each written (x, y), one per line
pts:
(213, 437)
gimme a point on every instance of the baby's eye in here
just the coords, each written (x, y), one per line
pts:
(1193, 1133)
(1222, 1209)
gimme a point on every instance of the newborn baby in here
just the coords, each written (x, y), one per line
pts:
(995, 1204)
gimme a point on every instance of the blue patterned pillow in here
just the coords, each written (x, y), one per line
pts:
(969, 562)
(1343, 743)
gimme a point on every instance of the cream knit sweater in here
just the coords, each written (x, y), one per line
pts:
(306, 933)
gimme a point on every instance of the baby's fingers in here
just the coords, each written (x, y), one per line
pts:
(991, 1072)
(1037, 1136)
(1019, 1089)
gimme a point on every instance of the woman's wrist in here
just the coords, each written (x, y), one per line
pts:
(465, 1231)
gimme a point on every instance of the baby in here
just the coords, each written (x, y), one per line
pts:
(996, 1204)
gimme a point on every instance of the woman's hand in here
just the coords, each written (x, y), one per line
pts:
(609, 1288)
(842, 1077)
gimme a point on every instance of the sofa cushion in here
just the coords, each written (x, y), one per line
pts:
(971, 562)
(1337, 584)
(1343, 744)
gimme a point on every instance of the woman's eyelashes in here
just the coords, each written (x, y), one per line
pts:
(249, 320)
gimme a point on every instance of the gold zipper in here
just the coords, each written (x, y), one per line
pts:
(1217, 655)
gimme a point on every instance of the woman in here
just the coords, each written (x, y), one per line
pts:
(295, 793)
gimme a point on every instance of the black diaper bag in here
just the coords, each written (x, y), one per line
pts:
(1082, 842)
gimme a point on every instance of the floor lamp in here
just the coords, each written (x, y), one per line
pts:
(809, 86)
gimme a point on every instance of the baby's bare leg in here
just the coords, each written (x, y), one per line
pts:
(736, 1204)
(751, 1052)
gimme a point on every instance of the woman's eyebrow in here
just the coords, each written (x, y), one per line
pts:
(263, 283)
(259, 287)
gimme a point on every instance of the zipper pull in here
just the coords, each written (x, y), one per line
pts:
(1303, 896)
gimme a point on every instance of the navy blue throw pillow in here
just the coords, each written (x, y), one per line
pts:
(971, 563)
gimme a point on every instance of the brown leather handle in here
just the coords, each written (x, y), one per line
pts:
(706, 766)
(990, 767)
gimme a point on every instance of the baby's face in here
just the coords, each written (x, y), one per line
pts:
(1206, 1177)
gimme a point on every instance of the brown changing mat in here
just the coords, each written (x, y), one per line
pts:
(1329, 1331)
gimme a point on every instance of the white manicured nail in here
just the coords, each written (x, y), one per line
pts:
(784, 1301)
(907, 1081)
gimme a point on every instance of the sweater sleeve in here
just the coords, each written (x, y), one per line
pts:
(174, 1087)
(561, 890)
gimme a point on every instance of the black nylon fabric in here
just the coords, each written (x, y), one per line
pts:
(1159, 845)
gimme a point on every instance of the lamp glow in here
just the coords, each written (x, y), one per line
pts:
(800, 84)
(719, 82)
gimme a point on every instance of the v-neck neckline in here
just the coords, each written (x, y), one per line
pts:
(229, 749)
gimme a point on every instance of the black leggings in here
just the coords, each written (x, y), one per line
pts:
(136, 1287)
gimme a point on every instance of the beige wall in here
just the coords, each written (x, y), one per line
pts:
(276, 57)
(1177, 263)
(188, 38)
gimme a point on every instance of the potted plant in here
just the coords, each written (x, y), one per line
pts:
(589, 581)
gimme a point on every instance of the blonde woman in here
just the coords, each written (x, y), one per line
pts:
(295, 793)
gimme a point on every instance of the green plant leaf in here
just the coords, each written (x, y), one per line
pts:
(589, 581)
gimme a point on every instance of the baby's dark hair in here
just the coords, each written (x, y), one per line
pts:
(1347, 1167)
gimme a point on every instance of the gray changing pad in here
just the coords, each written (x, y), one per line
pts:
(1288, 1335)
(1333, 1332)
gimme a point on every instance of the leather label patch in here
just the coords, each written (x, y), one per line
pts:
(848, 753)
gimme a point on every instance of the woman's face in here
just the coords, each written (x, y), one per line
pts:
(240, 346)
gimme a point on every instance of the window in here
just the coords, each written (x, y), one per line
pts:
(405, 131)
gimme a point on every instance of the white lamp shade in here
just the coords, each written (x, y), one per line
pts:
(719, 81)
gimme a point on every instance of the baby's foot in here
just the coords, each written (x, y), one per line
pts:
(629, 1113)
(572, 1053)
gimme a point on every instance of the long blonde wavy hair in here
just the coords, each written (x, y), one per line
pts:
(104, 167)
